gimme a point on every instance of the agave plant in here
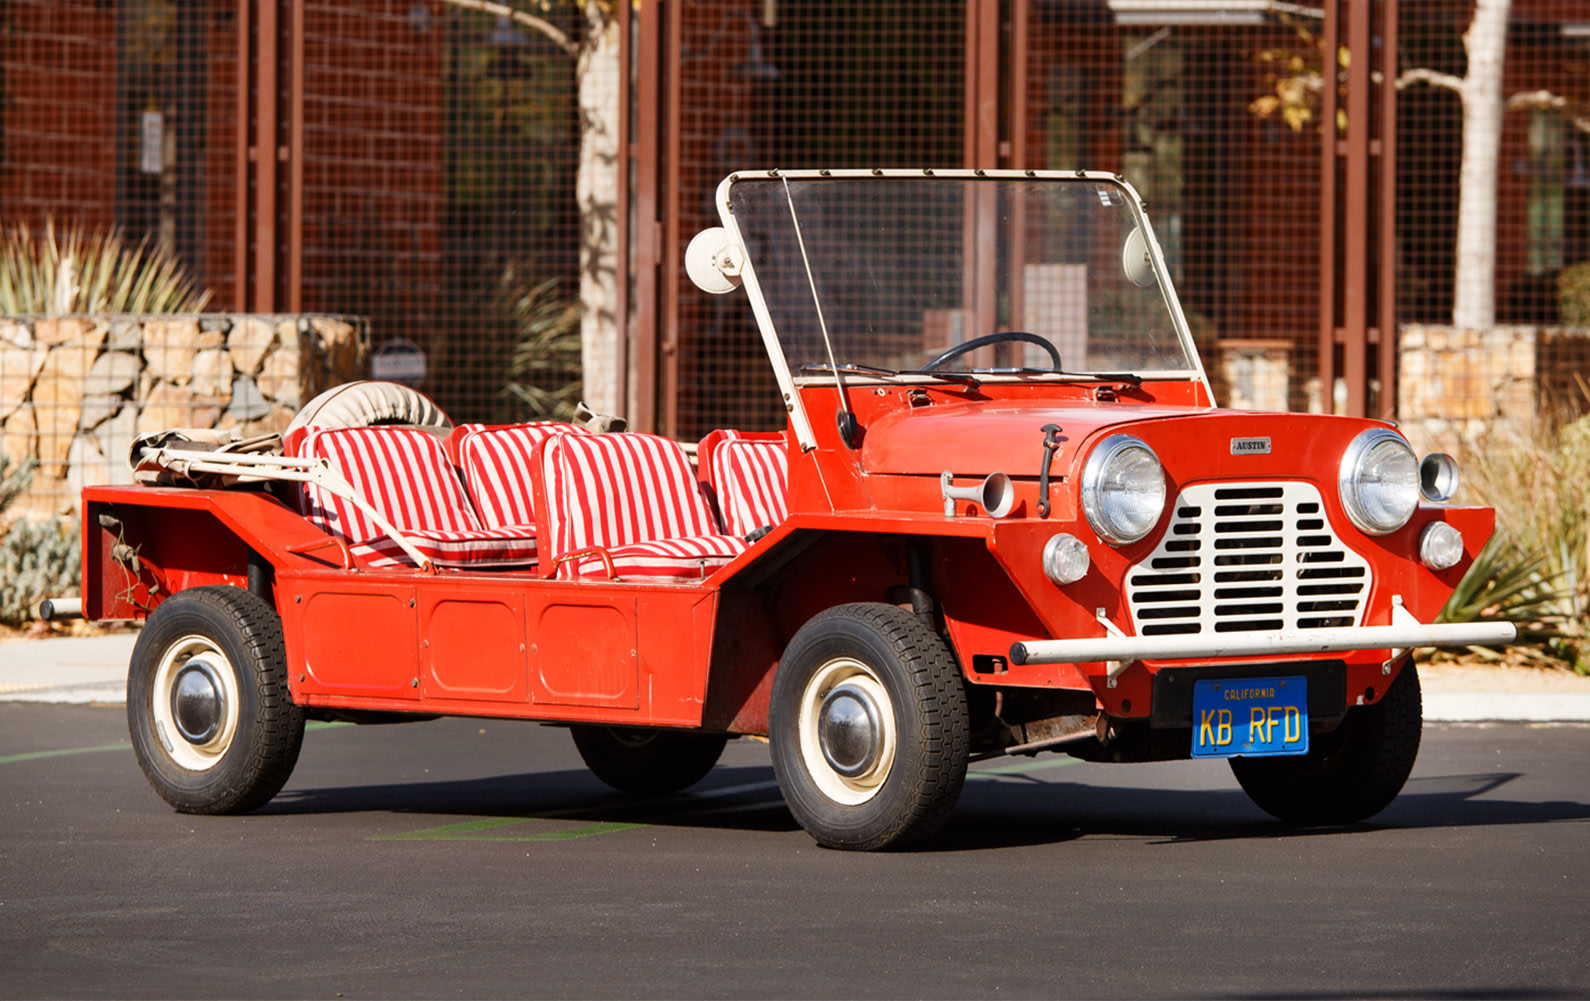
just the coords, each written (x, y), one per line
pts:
(544, 373)
(1505, 584)
(80, 271)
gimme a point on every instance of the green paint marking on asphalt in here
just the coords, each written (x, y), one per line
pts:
(474, 830)
(318, 724)
(1022, 767)
(12, 759)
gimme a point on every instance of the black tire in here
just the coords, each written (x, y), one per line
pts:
(651, 762)
(869, 728)
(1349, 774)
(231, 743)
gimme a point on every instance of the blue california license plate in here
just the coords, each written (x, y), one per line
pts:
(1250, 716)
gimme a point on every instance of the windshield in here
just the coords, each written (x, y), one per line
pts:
(902, 270)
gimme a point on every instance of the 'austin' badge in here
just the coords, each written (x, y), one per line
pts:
(1250, 446)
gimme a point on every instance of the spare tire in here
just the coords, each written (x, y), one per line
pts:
(370, 402)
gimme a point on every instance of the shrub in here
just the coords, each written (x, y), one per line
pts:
(38, 559)
(79, 271)
(1536, 571)
(1573, 295)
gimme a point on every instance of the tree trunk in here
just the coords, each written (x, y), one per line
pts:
(596, 190)
(1474, 292)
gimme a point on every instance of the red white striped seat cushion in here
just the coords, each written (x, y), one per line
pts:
(681, 558)
(405, 475)
(748, 476)
(481, 547)
(632, 495)
(495, 463)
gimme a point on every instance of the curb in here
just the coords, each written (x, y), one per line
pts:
(1506, 707)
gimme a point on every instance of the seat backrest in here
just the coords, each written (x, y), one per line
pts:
(615, 489)
(747, 475)
(495, 463)
(403, 472)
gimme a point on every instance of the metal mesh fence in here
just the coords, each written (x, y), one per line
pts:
(439, 161)
(797, 84)
(424, 163)
(1171, 107)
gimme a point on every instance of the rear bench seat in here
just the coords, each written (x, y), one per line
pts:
(405, 474)
(746, 474)
(630, 503)
(494, 461)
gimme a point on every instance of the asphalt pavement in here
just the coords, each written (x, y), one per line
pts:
(94, 669)
(479, 859)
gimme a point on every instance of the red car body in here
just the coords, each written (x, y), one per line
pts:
(884, 509)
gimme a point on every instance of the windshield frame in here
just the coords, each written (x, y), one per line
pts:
(790, 384)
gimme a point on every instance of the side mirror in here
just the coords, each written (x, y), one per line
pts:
(713, 261)
(1135, 260)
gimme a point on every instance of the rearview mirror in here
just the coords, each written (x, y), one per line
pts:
(714, 260)
(1135, 261)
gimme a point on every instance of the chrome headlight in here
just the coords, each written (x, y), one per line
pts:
(1123, 489)
(1379, 481)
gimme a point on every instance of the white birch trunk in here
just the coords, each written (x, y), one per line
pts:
(596, 190)
(1474, 291)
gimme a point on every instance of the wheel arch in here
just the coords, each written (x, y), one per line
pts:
(805, 571)
(182, 539)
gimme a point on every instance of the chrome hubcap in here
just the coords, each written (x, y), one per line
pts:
(850, 730)
(198, 702)
(194, 703)
(846, 731)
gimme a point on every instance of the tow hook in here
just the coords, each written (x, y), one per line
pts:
(1051, 443)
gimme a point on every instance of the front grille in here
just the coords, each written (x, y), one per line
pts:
(1247, 557)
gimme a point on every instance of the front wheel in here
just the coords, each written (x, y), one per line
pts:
(1349, 774)
(211, 721)
(869, 728)
(650, 762)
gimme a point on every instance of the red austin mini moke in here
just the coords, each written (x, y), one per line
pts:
(1004, 518)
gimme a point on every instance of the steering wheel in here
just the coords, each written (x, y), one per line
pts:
(998, 337)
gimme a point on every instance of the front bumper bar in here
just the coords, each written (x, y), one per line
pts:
(1125, 649)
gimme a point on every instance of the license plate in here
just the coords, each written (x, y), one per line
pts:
(1250, 717)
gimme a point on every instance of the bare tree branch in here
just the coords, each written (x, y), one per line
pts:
(547, 29)
(1538, 99)
(1545, 100)
(1446, 81)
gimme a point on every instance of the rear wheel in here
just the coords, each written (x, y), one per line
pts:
(1349, 774)
(207, 705)
(869, 728)
(637, 760)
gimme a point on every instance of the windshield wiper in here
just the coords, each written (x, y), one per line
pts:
(851, 368)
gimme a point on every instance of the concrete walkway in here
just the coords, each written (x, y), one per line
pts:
(94, 669)
(66, 668)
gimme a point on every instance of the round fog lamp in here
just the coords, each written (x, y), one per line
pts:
(1440, 546)
(1438, 477)
(1066, 559)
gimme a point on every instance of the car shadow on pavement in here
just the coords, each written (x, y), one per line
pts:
(990, 815)
(1062, 811)
(743, 798)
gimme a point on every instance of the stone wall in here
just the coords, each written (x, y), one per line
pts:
(1455, 386)
(75, 390)
(1253, 374)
